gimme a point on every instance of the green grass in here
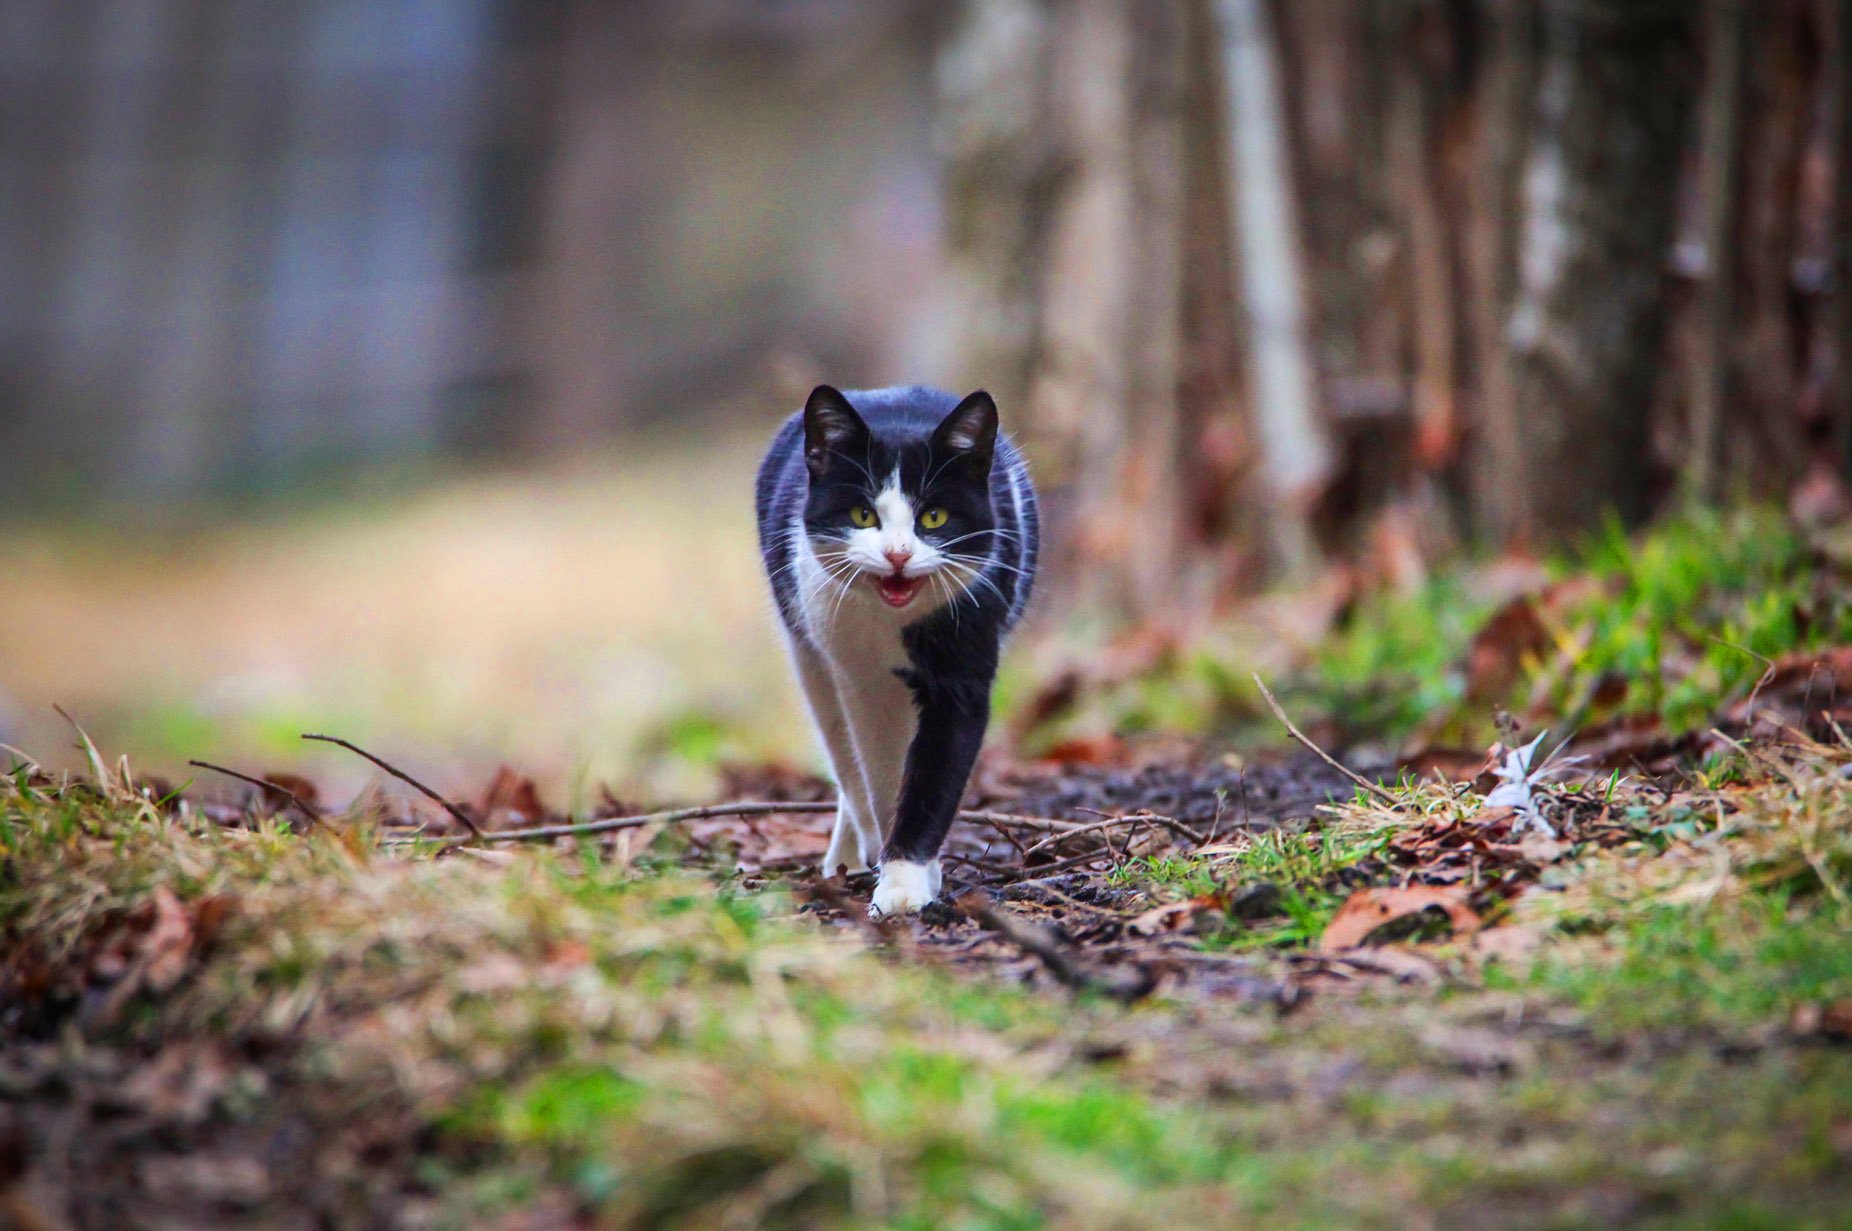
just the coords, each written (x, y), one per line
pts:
(1672, 621)
(1678, 619)
(660, 1051)
(1275, 889)
(1724, 968)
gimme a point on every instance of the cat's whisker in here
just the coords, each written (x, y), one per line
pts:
(997, 532)
(984, 563)
(977, 576)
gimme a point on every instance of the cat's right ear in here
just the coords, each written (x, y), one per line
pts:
(830, 426)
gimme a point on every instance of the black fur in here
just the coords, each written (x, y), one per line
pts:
(831, 458)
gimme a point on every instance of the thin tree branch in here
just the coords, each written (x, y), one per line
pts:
(1373, 788)
(312, 813)
(457, 813)
(541, 833)
(1038, 942)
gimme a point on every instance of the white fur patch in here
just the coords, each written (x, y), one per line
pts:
(863, 710)
(853, 848)
(905, 888)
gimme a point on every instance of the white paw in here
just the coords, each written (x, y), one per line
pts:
(848, 848)
(904, 888)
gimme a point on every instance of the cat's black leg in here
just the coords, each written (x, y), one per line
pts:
(953, 713)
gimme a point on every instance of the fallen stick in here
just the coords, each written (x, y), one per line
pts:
(1063, 865)
(1372, 788)
(675, 816)
(461, 816)
(1060, 836)
(1039, 942)
(312, 813)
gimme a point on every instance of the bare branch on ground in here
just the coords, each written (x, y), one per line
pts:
(456, 812)
(1037, 941)
(307, 809)
(1374, 789)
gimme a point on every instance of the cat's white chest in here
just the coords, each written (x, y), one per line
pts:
(859, 635)
(860, 640)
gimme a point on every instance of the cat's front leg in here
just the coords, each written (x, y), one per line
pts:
(852, 848)
(953, 715)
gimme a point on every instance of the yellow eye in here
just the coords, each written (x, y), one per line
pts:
(932, 519)
(862, 516)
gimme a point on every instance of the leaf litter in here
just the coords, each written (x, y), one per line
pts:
(1109, 876)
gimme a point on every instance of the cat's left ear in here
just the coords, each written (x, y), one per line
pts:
(971, 430)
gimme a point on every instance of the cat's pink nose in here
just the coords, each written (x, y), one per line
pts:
(899, 559)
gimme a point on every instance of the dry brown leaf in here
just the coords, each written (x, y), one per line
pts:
(511, 797)
(1513, 944)
(1496, 657)
(1368, 909)
(1822, 1019)
(1173, 916)
(166, 945)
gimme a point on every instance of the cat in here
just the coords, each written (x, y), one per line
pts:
(900, 534)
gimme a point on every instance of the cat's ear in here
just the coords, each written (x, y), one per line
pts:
(971, 430)
(830, 426)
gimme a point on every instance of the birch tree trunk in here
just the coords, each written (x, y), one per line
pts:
(1496, 470)
(1597, 217)
(1294, 447)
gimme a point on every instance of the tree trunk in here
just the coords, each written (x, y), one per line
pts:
(1496, 472)
(1065, 127)
(1763, 445)
(1841, 412)
(1721, 189)
(1294, 445)
(1612, 100)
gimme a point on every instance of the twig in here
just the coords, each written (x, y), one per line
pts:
(1007, 836)
(1371, 787)
(677, 815)
(1060, 836)
(312, 813)
(540, 833)
(1768, 674)
(1075, 862)
(456, 812)
(1018, 821)
(1177, 828)
(1038, 942)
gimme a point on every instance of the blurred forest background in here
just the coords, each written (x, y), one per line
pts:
(398, 367)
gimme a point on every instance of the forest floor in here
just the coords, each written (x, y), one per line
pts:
(1170, 985)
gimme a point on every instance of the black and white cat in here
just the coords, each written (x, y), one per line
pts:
(900, 533)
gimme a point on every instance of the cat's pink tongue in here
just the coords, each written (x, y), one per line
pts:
(898, 591)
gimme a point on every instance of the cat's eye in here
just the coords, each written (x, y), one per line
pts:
(863, 516)
(932, 519)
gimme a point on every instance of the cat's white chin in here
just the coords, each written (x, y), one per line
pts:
(905, 888)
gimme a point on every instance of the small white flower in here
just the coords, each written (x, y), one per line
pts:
(1517, 778)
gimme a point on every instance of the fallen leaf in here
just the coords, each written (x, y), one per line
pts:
(511, 797)
(282, 786)
(1496, 658)
(1368, 909)
(168, 942)
(1513, 944)
(1822, 1019)
(1173, 916)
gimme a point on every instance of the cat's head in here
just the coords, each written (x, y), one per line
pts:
(900, 512)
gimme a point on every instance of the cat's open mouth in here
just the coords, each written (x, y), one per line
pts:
(898, 591)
